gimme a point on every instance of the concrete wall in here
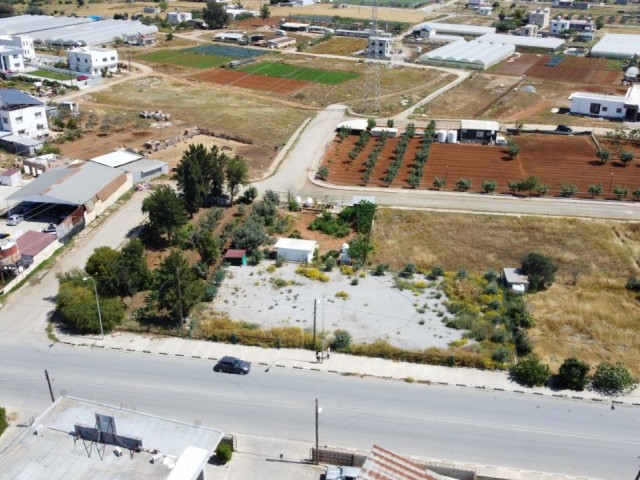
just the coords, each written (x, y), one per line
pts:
(101, 206)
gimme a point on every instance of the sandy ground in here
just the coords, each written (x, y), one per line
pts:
(373, 310)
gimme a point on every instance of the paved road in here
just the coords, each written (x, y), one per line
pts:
(466, 425)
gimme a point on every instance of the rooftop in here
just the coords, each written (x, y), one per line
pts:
(456, 28)
(50, 448)
(13, 98)
(32, 243)
(296, 244)
(520, 41)
(617, 45)
(235, 253)
(117, 158)
(514, 275)
(35, 23)
(382, 464)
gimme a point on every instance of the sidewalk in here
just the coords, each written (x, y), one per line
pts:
(338, 363)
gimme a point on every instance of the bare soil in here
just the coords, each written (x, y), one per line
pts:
(261, 83)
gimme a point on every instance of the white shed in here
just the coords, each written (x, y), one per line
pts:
(296, 250)
(11, 177)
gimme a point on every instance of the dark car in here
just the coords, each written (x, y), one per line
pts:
(232, 365)
(564, 128)
(52, 229)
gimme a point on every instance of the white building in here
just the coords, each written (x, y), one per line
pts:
(296, 250)
(178, 17)
(22, 114)
(23, 42)
(92, 60)
(380, 47)
(484, 10)
(616, 45)
(607, 106)
(540, 17)
(529, 30)
(11, 59)
(559, 25)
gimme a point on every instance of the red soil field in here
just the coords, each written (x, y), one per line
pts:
(571, 69)
(248, 80)
(554, 159)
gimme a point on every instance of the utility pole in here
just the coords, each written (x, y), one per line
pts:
(46, 375)
(318, 435)
(315, 308)
(179, 297)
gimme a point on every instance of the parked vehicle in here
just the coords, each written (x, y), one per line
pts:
(15, 219)
(341, 473)
(52, 229)
(232, 365)
(564, 128)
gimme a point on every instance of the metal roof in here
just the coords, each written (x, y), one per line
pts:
(12, 97)
(479, 125)
(74, 184)
(527, 42)
(35, 23)
(514, 275)
(94, 33)
(32, 243)
(481, 54)
(617, 45)
(235, 253)
(382, 464)
(297, 244)
(117, 159)
(144, 165)
(457, 28)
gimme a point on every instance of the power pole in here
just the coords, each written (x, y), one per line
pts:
(318, 435)
(179, 297)
(315, 308)
(46, 375)
(371, 85)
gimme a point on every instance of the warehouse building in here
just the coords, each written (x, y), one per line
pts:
(617, 45)
(138, 167)
(475, 54)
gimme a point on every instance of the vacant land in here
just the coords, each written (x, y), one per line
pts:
(260, 83)
(586, 313)
(339, 46)
(304, 74)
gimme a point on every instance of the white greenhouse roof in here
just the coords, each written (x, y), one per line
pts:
(94, 33)
(456, 28)
(527, 42)
(296, 244)
(487, 125)
(480, 54)
(117, 159)
(617, 45)
(356, 124)
(35, 23)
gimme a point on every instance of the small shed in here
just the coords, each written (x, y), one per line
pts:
(482, 131)
(631, 75)
(296, 250)
(36, 247)
(281, 42)
(514, 279)
(236, 257)
(11, 177)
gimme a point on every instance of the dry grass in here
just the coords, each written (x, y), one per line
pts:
(587, 313)
(339, 46)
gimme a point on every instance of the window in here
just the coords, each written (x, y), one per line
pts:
(18, 119)
(113, 58)
(604, 109)
(479, 134)
(21, 132)
(618, 110)
(594, 108)
(5, 120)
(40, 126)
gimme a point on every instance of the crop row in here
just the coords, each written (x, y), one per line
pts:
(398, 154)
(422, 155)
(228, 51)
(372, 159)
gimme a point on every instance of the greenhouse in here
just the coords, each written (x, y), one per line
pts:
(92, 34)
(475, 55)
(26, 24)
(532, 43)
(616, 45)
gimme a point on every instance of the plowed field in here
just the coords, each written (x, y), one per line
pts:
(571, 69)
(247, 80)
(554, 159)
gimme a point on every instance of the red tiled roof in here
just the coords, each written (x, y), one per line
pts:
(32, 243)
(382, 464)
(8, 173)
(235, 254)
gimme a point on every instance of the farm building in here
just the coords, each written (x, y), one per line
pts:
(139, 168)
(35, 247)
(475, 54)
(296, 250)
(452, 28)
(524, 42)
(515, 280)
(11, 177)
(37, 165)
(616, 45)
(233, 37)
(236, 257)
(19, 144)
(483, 131)
(355, 125)
(178, 17)
(607, 106)
(27, 24)
(281, 42)
(341, 32)
(294, 27)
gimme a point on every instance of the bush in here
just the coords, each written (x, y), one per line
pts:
(330, 225)
(501, 354)
(530, 372)
(633, 284)
(540, 270)
(612, 379)
(380, 269)
(436, 271)
(342, 340)
(312, 274)
(4, 423)
(573, 374)
(223, 453)
(409, 270)
(329, 264)
(279, 261)
(523, 343)
(342, 295)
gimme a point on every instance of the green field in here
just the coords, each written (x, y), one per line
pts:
(304, 74)
(185, 58)
(51, 75)
(388, 3)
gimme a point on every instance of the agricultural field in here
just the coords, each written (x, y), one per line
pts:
(553, 159)
(575, 316)
(339, 46)
(260, 83)
(184, 58)
(303, 74)
(388, 3)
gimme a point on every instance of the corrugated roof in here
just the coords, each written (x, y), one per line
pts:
(482, 54)
(73, 184)
(12, 97)
(382, 464)
(296, 244)
(458, 28)
(530, 42)
(117, 159)
(35, 23)
(514, 275)
(235, 253)
(10, 172)
(94, 33)
(143, 165)
(617, 45)
(479, 125)
(32, 243)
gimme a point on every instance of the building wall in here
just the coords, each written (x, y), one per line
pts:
(11, 60)
(91, 61)
(605, 108)
(291, 255)
(29, 121)
(539, 18)
(380, 47)
(557, 26)
(101, 205)
(23, 42)
(178, 17)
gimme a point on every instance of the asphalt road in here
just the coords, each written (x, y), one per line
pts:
(489, 428)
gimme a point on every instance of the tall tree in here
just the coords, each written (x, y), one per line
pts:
(265, 11)
(215, 15)
(101, 265)
(217, 173)
(237, 173)
(166, 211)
(207, 246)
(132, 274)
(176, 289)
(191, 177)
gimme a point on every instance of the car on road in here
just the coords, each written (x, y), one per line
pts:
(341, 473)
(564, 129)
(232, 365)
(52, 229)
(15, 219)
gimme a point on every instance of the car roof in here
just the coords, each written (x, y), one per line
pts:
(229, 359)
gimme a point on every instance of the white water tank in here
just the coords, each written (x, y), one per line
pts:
(452, 136)
(441, 136)
(344, 248)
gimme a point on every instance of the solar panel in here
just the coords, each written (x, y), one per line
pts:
(11, 96)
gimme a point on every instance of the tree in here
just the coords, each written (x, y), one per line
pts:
(207, 246)
(80, 3)
(217, 172)
(573, 374)
(620, 191)
(568, 190)
(371, 123)
(342, 340)
(265, 11)
(237, 173)
(215, 15)
(77, 309)
(131, 271)
(594, 190)
(530, 372)
(166, 211)
(190, 175)
(101, 266)
(323, 172)
(612, 379)
(626, 157)
(176, 288)
(439, 182)
(514, 150)
(390, 122)
(359, 249)
(540, 270)
(489, 186)
(604, 156)
(542, 189)
(251, 234)
(464, 184)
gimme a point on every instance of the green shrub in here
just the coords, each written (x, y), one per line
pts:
(279, 261)
(491, 275)
(329, 264)
(4, 422)
(436, 271)
(330, 225)
(224, 453)
(409, 270)
(355, 282)
(380, 269)
(524, 344)
(573, 374)
(342, 340)
(501, 354)
(612, 379)
(530, 372)
(312, 274)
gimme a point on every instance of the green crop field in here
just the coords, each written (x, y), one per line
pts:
(304, 74)
(51, 75)
(185, 58)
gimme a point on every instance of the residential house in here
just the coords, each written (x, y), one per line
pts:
(23, 42)
(177, 17)
(380, 47)
(11, 59)
(93, 60)
(22, 114)
(616, 107)
(540, 17)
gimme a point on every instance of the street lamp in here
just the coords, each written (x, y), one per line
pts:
(446, 174)
(611, 182)
(95, 290)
